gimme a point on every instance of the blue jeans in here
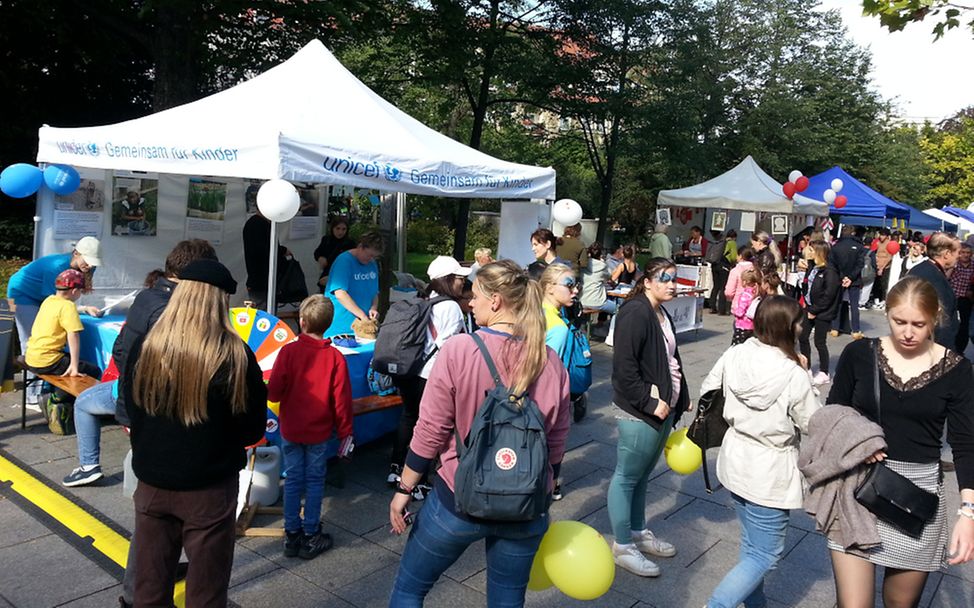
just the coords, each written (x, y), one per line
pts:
(640, 446)
(762, 545)
(439, 537)
(305, 465)
(96, 401)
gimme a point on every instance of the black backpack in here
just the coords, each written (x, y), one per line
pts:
(401, 343)
(503, 463)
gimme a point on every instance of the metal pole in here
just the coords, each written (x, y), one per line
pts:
(272, 272)
(401, 231)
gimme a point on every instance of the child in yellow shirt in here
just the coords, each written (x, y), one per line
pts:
(57, 324)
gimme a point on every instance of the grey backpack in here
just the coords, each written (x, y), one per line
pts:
(503, 463)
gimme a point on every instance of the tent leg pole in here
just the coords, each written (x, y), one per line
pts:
(401, 231)
(272, 272)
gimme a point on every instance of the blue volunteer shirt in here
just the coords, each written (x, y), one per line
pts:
(360, 281)
(35, 281)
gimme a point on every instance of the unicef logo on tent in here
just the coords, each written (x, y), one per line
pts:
(393, 174)
(93, 149)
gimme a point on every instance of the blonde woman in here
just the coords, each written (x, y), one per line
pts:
(507, 306)
(196, 397)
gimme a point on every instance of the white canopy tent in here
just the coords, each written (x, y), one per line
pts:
(963, 225)
(746, 187)
(306, 120)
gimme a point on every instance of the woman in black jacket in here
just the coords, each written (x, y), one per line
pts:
(196, 398)
(651, 392)
(822, 293)
(331, 246)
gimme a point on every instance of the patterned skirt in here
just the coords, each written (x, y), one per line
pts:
(928, 553)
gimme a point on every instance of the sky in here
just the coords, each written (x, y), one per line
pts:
(925, 79)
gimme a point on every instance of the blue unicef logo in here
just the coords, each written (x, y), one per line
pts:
(93, 149)
(393, 174)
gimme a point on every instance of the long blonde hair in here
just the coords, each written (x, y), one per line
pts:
(550, 277)
(184, 350)
(522, 296)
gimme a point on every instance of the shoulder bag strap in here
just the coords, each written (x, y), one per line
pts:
(488, 360)
(876, 395)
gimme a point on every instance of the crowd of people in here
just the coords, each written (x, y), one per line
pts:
(495, 346)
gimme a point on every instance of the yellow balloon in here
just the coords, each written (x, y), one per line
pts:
(682, 455)
(577, 560)
(539, 580)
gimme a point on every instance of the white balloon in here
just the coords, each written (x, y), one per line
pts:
(829, 196)
(278, 200)
(794, 175)
(566, 212)
(837, 185)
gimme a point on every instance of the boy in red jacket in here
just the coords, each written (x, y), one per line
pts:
(310, 379)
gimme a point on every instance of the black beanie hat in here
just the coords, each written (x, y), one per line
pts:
(212, 272)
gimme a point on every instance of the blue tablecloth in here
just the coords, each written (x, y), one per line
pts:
(98, 337)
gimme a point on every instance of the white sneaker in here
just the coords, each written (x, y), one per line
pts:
(647, 542)
(820, 379)
(629, 558)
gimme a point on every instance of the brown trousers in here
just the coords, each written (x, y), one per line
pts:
(200, 521)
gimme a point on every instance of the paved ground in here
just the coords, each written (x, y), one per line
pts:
(40, 568)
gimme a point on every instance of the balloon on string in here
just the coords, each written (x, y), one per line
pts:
(794, 175)
(61, 179)
(874, 245)
(278, 200)
(829, 196)
(789, 189)
(801, 183)
(20, 180)
(841, 201)
(893, 247)
(837, 185)
(566, 212)
(577, 560)
(682, 455)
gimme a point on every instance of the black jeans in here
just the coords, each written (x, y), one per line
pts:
(62, 365)
(411, 391)
(718, 301)
(821, 329)
(964, 329)
(880, 285)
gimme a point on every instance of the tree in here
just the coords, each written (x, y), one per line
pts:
(897, 15)
(949, 159)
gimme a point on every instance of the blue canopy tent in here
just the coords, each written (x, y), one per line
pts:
(863, 201)
(961, 213)
(918, 221)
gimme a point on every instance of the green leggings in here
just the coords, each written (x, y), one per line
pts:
(640, 446)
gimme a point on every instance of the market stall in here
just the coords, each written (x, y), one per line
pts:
(861, 203)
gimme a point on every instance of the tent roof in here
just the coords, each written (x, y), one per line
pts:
(919, 220)
(746, 187)
(863, 200)
(963, 223)
(305, 120)
(961, 213)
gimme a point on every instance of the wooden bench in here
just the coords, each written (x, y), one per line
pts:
(73, 385)
(374, 403)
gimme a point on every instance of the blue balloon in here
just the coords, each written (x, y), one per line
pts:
(62, 179)
(21, 180)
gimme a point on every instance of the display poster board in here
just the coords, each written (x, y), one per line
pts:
(80, 213)
(686, 312)
(206, 206)
(718, 221)
(135, 203)
(518, 220)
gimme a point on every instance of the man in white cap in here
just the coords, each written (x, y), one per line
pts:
(30, 285)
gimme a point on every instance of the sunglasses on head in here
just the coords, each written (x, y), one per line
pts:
(568, 282)
(665, 277)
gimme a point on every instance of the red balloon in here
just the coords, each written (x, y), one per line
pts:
(893, 247)
(925, 239)
(801, 184)
(874, 245)
(788, 189)
(840, 201)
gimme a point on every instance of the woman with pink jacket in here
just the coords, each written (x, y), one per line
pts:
(744, 262)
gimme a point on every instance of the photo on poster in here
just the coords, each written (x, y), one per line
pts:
(718, 222)
(250, 194)
(90, 196)
(207, 199)
(663, 216)
(779, 224)
(340, 200)
(309, 202)
(135, 205)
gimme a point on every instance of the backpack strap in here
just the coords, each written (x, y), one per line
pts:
(488, 360)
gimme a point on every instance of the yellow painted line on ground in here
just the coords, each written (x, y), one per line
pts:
(107, 541)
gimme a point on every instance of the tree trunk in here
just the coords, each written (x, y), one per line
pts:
(605, 192)
(176, 54)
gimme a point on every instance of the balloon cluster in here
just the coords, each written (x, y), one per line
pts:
(576, 559)
(832, 196)
(21, 179)
(796, 183)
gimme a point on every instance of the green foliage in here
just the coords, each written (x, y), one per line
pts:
(8, 266)
(16, 238)
(897, 14)
(428, 236)
(949, 159)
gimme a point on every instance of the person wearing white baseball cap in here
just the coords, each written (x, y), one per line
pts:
(33, 283)
(446, 320)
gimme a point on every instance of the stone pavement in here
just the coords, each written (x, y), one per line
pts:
(38, 568)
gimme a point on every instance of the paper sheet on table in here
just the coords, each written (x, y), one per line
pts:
(115, 303)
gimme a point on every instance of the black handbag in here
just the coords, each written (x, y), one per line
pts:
(708, 427)
(887, 494)
(291, 287)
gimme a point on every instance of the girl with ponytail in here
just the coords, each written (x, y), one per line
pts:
(507, 306)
